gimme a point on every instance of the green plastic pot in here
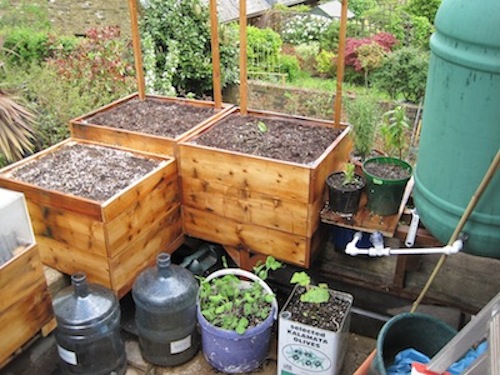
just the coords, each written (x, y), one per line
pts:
(384, 195)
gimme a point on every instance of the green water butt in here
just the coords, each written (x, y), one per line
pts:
(461, 125)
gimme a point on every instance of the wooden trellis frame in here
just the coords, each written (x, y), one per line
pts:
(217, 93)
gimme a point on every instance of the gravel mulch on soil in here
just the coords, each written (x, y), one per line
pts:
(281, 139)
(153, 116)
(87, 171)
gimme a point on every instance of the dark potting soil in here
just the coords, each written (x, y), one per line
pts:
(282, 139)
(87, 171)
(153, 116)
(337, 180)
(387, 171)
(327, 315)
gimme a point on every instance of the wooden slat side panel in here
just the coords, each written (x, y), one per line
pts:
(23, 320)
(165, 235)
(245, 173)
(246, 206)
(82, 232)
(163, 178)
(69, 260)
(211, 227)
(20, 276)
(50, 198)
(123, 138)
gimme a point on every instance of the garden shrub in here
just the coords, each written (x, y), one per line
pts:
(304, 28)
(187, 23)
(289, 65)
(325, 64)
(360, 7)
(385, 40)
(424, 8)
(263, 48)
(306, 54)
(25, 46)
(100, 60)
(420, 32)
(403, 74)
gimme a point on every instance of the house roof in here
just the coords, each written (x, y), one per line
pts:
(331, 9)
(228, 10)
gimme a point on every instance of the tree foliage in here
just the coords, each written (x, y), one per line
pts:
(180, 32)
(403, 74)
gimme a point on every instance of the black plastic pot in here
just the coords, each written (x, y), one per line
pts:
(344, 199)
(385, 194)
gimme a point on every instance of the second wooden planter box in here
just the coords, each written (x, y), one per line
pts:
(112, 241)
(263, 205)
(155, 126)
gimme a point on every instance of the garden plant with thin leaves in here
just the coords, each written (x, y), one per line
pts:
(229, 303)
(395, 123)
(16, 134)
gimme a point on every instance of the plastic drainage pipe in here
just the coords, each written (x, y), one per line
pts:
(378, 248)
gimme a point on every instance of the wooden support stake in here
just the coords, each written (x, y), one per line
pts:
(243, 58)
(340, 64)
(214, 30)
(136, 42)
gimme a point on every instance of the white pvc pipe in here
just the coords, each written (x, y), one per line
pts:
(379, 249)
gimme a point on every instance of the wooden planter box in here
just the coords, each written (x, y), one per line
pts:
(25, 303)
(246, 202)
(81, 127)
(111, 241)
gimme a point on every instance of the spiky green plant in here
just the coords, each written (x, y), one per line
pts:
(16, 134)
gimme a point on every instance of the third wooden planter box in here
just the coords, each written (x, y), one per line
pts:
(111, 240)
(154, 125)
(25, 303)
(254, 203)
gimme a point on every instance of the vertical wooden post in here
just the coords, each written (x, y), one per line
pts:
(136, 42)
(340, 64)
(214, 31)
(243, 58)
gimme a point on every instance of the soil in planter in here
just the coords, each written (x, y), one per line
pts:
(274, 138)
(387, 171)
(327, 315)
(337, 181)
(87, 171)
(151, 116)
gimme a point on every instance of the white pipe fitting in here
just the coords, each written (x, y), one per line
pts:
(379, 250)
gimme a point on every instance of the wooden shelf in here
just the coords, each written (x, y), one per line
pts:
(366, 221)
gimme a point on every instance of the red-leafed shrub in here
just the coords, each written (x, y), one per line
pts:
(384, 40)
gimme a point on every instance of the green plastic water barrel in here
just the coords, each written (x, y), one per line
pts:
(461, 125)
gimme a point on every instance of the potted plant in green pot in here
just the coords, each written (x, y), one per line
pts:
(313, 328)
(236, 317)
(363, 113)
(344, 190)
(386, 176)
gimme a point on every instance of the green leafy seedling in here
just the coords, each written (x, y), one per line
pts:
(314, 293)
(261, 125)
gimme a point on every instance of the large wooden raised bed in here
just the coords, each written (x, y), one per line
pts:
(25, 304)
(257, 204)
(111, 241)
(86, 127)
